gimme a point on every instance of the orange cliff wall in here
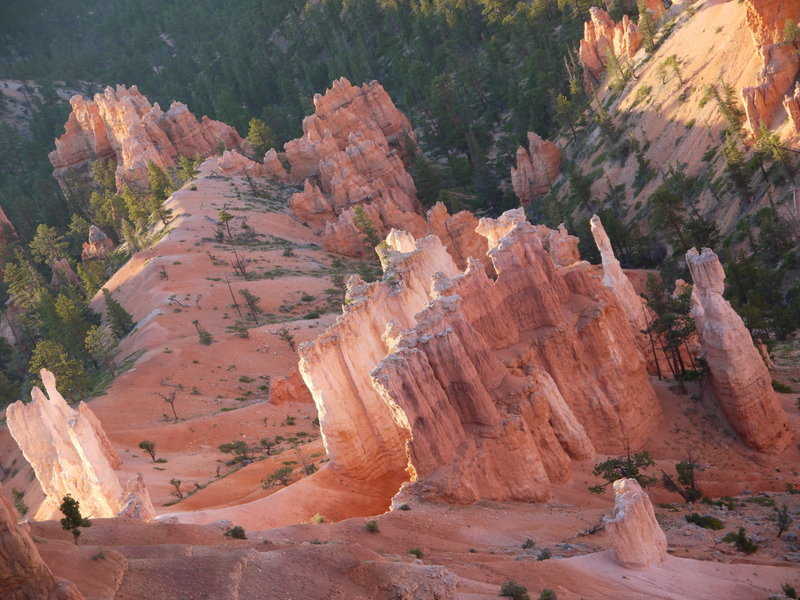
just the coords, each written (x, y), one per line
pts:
(571, 379)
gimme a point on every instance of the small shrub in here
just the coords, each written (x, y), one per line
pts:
(741, 541)
(761, 501)
(149, 447)
(544, 554)
(317, 519)
(417, 552)
(511, 589)
(548, 594)
(529, 543)
(19, 502)
(404, 507)
(781, 519)
(781, 388)
(287, 337)
(372, 526)
(705, 521)
(236, 533)
(306, 297)
(101, 555)
(789, 591)
(629, 465)
(282, 476)
(314, 314)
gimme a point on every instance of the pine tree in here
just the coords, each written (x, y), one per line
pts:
(120, 320)
(71, 377)
(102, 345)
(260, 135)
(73, 520)
(366, 226)
(647, 26)
(72, 325)
(47, 245)
(23, 281)
(667, 214)
(160, 185)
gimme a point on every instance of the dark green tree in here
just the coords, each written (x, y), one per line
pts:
(73, 520)
(119, 319)
(71, 377)
(260, 135)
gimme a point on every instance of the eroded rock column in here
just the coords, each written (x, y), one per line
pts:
(70, 454)
(741, 382)
(637, 539)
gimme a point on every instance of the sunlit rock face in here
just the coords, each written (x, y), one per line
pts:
(792, 105)
(352, 153)
(121, 125)
(70, 454)
(741, 382)
(97, 246)
(601, 36)
(637, 539)
(537, 168)
(23, 573)
(632, 304)
(408, 379)
(780, 62)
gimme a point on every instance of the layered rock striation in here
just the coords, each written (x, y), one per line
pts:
(408, 379)
(536, 169)
(70, 454)
(352, 153)
(601, 36)
(638, 541)
(780, 61)
(740, 380)
(121, 125)
(23, 573)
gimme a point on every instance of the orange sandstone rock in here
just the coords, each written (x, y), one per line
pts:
(287, 389)
(741, 382)
(98, 246)
(407, 379)
(121, 125)
(632, 304)
(601, 35)
(69, 452)
(352, 153)
(792, 105)
(637, 538)
(23, 573)
(537, 168)
(766, 20)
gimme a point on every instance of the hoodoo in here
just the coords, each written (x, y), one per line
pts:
(450, 424)
(637, 539)
(70, 454)
(740, 379)
(780, 61)
(602, 36)
(352, 154)
(537, 168)
(121, 125)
